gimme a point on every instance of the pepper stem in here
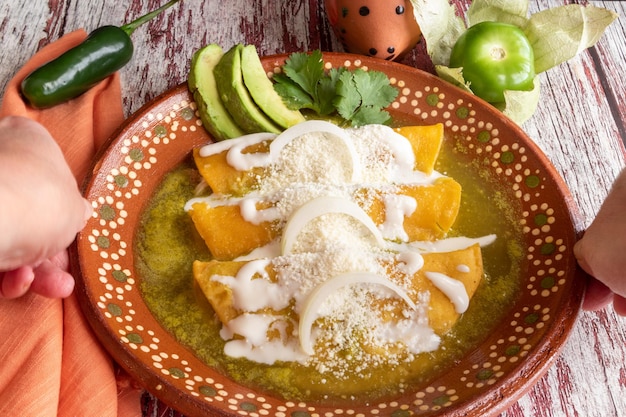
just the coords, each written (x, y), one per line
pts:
(129, 28)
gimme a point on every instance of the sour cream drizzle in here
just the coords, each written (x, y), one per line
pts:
(252, 214)
(238, 144)
(397, 207)
(245, 162)
(252, 294)
(453, 289)
(254, 345)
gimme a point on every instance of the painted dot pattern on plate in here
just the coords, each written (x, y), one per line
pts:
(122, 184)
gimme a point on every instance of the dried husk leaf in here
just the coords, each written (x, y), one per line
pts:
(556, 35)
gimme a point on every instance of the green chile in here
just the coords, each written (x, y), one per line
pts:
(106, 50)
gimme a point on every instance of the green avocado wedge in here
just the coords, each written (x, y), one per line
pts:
(201, 82)
(262, 90)
(236, 97)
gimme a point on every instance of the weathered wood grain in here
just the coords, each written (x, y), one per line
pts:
(610, 56)
(580, 125)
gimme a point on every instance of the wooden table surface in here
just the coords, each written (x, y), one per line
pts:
(580, 125)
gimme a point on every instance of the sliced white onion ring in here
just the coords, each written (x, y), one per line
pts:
(317, 297)
(310, 126)
(451, 244)
(318, 207)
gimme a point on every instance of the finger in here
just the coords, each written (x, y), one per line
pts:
(579, 254)
(16, 283)
(61, 260)
(51, 281)
(619, 305)
(597, 295)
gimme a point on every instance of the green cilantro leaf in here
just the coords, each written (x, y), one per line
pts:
(348, 98)
(298, 98)
(305, 70)
(374, 88)
(327, 91)
(369, 115)
(362, 96)
(358, 96)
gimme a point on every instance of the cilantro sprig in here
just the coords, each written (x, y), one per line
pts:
(357, 96)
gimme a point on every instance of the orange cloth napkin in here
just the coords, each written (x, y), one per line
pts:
(51, 363)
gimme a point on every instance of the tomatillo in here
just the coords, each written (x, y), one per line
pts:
(495, 57)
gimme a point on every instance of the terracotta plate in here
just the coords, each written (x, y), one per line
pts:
(484, 382)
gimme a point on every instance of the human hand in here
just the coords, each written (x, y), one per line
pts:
(41, 211)
(601, 252)
(50, 279)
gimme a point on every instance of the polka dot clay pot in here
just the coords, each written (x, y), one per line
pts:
(378, 28)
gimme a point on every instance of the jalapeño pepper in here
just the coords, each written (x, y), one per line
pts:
(106, 50)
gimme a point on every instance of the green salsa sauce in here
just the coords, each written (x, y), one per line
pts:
(167, 244)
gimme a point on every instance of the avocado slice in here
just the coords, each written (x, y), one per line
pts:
(236, 97)
(201, 82)
(262, 90)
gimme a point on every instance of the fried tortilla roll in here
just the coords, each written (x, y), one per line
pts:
(447, 281)
(223, 179)
(227, 234)
(428, 213)
(426, 142)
